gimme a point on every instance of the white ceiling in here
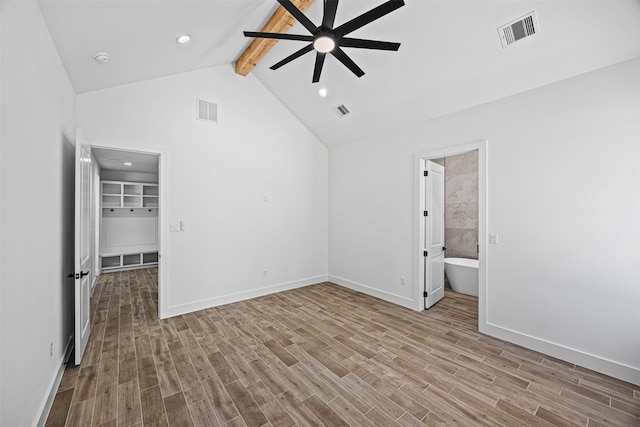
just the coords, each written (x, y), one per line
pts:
(450, 59)
(115, 160)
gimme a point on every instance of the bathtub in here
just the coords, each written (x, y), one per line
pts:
(462, 274)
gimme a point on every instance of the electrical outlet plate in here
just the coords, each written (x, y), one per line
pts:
(174, 228)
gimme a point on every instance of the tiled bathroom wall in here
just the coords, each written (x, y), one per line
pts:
(461, 205)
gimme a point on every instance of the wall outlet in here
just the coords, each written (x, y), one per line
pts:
(493, 239)
(403, 281)
(264, 273)
(51, 350)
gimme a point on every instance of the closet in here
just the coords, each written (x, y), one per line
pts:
(128, 225)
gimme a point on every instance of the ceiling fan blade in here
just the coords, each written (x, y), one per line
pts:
(367, 17)
(300, 17)
(368, 44)
(279, 36)
(318, 68)
(293, 56)
(329, 15)
(342, 57)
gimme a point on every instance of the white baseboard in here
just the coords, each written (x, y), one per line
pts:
(593, 362)
(45, 406)
(177, 310)
(580, 358)
(387, 296)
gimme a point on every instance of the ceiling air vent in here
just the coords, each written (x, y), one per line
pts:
(519, 29)
(341, 110)
(207, 111)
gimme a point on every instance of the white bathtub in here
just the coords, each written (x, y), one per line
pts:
(462, 274)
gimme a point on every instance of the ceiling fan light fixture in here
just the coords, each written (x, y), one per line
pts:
(324, 44)
(328, 38)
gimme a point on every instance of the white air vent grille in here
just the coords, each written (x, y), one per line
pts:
(519, 29)
(207, 111)
(341, 110)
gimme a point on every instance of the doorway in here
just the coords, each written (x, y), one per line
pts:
(127, 202)
(423, 234)
(126, 230)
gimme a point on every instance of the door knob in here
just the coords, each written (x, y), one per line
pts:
(84, 273)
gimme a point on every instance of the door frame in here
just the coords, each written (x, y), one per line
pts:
(163, 220)
(419, 201)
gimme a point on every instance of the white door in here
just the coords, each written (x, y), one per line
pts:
(433, 251)
(82, 245)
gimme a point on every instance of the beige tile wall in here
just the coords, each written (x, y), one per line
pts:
(461, 205)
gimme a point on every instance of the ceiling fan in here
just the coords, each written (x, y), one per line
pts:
(327, 39)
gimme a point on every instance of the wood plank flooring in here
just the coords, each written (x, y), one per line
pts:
(320, 355)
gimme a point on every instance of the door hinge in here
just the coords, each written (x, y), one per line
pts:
(426, 213)
(426, 173)
(426, 294)
(425, 253)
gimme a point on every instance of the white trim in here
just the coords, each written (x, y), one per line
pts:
(599, 364)
(179, 309)
(163, 207)
(383, 295)
(47, 403)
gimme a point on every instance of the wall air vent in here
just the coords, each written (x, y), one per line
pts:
(207, 111)
(521, 28)
(341, 110)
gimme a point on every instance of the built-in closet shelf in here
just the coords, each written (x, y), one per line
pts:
(121, 195)
(127, 261)
(128, 225)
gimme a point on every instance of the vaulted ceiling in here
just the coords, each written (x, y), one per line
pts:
(450, 59)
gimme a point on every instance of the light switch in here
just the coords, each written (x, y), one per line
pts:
(174, 227)
(493, 239)
(183, 227)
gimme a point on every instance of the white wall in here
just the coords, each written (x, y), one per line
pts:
(563, 194)
(217, 175)
(37, 167)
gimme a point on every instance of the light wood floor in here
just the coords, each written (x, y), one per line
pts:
(320, 355)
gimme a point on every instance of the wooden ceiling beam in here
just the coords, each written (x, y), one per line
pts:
(280, 22)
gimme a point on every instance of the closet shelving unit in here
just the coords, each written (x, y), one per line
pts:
(118, 199)
(119, 195)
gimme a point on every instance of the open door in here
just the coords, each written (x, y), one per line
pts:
(82, 254)
(433, 252)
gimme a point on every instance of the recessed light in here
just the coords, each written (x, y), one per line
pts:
(128, 163)
(322, 92)
(183, 38)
